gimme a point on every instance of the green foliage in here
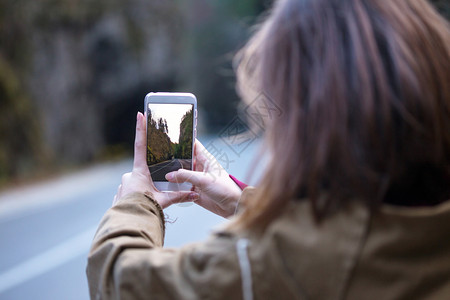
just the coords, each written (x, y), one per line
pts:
(159, 146)
(184, 146)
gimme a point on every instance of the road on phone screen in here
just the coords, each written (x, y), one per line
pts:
(160, 170)
(46, 229)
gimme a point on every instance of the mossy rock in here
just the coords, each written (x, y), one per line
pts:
(21, 149)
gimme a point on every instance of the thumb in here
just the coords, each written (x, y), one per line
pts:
(169, 198)
(140, 145)
(194, 177)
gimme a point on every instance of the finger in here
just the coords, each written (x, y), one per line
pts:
(194, 177)
(140, 145)
(202, 156)
(169, 198)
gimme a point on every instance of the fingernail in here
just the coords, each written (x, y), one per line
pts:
(193, 196)
(170, 176)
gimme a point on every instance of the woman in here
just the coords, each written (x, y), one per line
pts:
(354, 202)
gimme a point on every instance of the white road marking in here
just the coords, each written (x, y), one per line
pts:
(48, 260)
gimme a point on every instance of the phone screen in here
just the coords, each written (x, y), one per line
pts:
(169, 138)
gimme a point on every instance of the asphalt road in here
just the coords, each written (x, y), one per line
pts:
(160, 170)
(46, 229)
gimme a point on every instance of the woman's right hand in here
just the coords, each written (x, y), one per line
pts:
(217, 192)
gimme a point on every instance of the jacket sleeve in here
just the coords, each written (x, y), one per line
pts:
(127, 260)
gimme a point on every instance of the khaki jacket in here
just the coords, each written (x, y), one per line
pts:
(397, 253)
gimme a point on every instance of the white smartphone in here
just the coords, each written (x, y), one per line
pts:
(171, 132)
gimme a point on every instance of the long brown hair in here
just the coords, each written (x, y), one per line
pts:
(364, 91)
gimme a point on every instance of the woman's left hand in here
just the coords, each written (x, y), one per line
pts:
(139, 179)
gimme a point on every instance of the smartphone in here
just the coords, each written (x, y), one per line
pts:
(171, 132)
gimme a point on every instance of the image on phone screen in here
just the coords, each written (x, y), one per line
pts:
(169, 138)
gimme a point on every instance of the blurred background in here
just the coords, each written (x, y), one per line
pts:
(72, 76)
(74, 73)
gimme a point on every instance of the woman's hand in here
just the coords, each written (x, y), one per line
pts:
(139, 180)
(213, 189)
(217, 192)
